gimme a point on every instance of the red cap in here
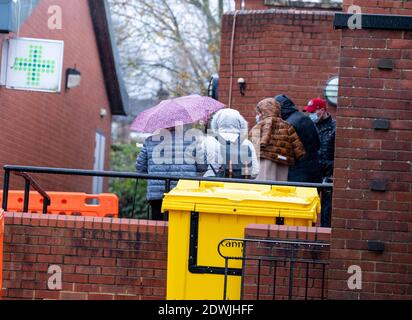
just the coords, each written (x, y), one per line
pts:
(315, 104)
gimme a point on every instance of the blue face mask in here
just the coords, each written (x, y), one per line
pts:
(257, 119)
(314, 117)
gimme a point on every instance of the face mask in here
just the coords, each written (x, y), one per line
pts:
(257, 119)
(314, 117)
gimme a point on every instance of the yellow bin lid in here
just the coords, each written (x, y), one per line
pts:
(243, 199)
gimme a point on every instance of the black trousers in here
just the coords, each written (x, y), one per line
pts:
(326, 212)
(156, 206)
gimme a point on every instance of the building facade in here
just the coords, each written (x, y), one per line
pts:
(287, 50)
(72, 128)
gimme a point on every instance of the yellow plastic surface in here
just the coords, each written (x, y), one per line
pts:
(225, 209)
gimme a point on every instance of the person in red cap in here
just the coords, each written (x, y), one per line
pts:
(317, 109)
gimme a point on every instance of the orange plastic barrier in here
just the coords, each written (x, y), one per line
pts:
(66, 203)
(1, 249)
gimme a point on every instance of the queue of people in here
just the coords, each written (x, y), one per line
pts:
(284, 145)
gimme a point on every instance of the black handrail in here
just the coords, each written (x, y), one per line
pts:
(268, 241)
(130, 175)
(30, 182)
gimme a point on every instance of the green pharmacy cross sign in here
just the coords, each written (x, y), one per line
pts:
(34, 65)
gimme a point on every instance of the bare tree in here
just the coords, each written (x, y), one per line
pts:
(172, 44)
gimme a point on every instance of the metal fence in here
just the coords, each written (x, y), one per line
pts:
(24, 171)
(293, 269)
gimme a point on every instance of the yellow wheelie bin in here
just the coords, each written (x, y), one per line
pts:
(202, 214)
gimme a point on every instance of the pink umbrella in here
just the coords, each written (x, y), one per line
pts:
(178, 111)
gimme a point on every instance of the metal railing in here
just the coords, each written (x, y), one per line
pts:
(289, 261)
(24, 170)
(28, 183)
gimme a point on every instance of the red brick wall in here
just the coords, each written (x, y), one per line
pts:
(1, 250)
(126, 259)
(279, 251)
(363, 155)
(251, 4)
(260, 5)
(100, 258)
(278, 51)
(58, 130)
(401, 7)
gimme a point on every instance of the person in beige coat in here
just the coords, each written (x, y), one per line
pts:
(277, 141)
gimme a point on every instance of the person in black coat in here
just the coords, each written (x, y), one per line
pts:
(307, 169)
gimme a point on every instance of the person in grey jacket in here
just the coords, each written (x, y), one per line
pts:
(165, 153)
(231, 130)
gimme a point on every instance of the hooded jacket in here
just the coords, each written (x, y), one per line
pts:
(165, 154)
(229, 127)
(305, 128)
(327, 134)
(277, 139)
(306, 169)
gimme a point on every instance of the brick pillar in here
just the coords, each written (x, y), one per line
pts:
(373, 181)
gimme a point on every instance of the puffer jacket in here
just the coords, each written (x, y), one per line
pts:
(278, 140)
(327, 134)
(168, 159)
(306, 169)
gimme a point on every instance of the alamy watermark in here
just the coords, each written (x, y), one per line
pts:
(194, 146)
(355, 21)
(355, 280)
(55, 21)
(54, 282)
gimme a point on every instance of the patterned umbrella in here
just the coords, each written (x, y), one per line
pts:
(178, 111)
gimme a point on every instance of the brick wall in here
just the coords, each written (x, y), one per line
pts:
(58, 130)
(100, 258)
(278, 51)
(127, 259)
(1, 250)
(270, 289)
(401, 7)
(251, 5)
(262, 4)
(365, 155)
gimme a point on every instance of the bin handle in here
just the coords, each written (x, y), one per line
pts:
(284, 188)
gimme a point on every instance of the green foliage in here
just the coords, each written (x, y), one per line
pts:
(123, 158)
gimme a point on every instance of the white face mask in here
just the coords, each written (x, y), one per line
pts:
(257, 119)
(314, 117)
